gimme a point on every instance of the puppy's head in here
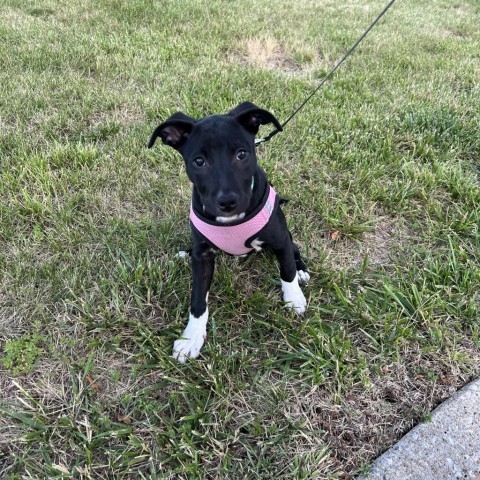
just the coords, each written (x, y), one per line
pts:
(219, 153)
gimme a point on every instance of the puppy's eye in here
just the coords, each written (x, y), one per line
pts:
(241, 155)
(199, 162)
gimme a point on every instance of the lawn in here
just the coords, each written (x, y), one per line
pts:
(382, 170)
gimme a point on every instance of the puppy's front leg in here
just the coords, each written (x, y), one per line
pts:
(292, 293)
(194, 335)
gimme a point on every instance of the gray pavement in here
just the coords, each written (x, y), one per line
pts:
(445, 448)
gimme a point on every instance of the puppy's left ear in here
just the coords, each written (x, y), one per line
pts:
(251, 117)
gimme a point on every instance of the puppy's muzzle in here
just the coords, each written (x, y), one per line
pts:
(227, 202)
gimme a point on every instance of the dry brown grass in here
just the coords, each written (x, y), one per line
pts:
(267, 52)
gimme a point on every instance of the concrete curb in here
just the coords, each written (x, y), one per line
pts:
(446, 448)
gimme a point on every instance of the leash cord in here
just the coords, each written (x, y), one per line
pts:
(274, 132)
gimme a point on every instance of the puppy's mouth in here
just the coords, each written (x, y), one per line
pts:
(230, 218)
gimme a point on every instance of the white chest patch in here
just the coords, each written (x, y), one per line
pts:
(257, 244)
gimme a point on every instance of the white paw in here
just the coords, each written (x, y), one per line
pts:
(182, 254)
(303, 277)
(293, 296)
(192, 340)
(184, 348)
(296, 302)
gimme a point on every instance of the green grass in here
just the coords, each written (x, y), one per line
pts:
(92, 297)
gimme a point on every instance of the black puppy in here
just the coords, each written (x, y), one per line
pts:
(233, 209)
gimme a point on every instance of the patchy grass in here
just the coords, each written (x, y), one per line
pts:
(382, 170)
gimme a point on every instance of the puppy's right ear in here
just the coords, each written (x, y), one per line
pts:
(173, 131)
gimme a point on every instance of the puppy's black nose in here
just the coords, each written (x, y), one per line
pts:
(227, 201)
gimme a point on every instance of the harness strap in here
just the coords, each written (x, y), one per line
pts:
(232, 238)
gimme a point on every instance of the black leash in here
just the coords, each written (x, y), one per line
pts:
(259, 141)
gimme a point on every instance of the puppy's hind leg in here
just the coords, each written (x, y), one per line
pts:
(303, 275)
(292, 293)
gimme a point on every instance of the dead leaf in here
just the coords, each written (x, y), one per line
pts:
(94, 385)
(448, 380)
(124, 419)
(335, 236)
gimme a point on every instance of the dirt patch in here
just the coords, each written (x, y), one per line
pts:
(379, 245)
(268, 53)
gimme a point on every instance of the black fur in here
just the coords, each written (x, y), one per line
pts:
(220, 158)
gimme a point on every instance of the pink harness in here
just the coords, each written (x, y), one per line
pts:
(232, 238)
